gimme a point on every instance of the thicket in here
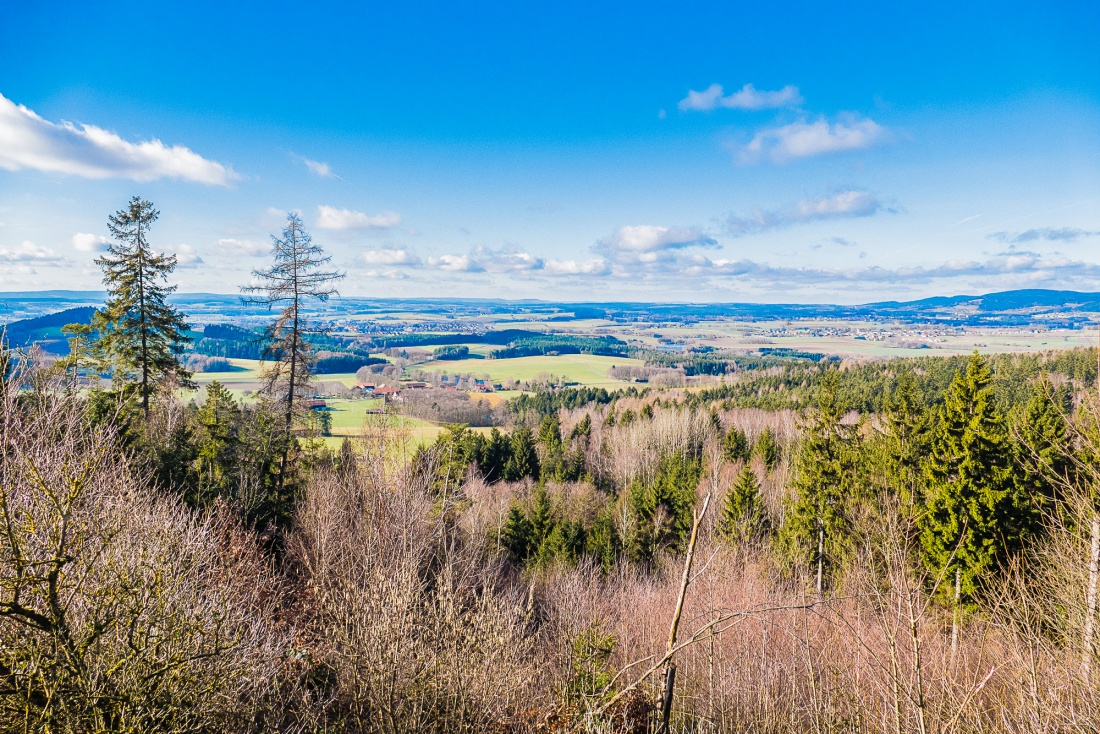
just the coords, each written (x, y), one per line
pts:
(526, 580)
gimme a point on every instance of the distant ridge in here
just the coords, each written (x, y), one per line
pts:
(1023, 307)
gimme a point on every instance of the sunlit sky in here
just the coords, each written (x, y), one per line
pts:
(840, 152)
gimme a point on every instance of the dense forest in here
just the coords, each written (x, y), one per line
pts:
(886, 546)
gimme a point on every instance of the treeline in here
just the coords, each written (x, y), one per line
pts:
(533, 346)
(864, 385)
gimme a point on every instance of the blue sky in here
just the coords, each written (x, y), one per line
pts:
(589, 151)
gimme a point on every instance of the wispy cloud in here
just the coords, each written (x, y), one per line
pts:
(806, 139)
(323, 170)
(27, 141)
(330, 217)
(747, 98)
(840, 205)
(249, 248)
(87, 242)
(1048, 234)
(29, 252)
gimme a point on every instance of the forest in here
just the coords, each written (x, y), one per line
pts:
(882, 546)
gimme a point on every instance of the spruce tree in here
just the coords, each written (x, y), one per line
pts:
(218, 443)
(767, 448)
(908, 430)
(742, 516)
(974, 517)
(524, 461)
(293, 279)
(816, 526)
(736, 446)
(1044, 446)
(139, 336)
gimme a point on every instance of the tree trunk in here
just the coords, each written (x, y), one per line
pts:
(1088, 648)
(670, 671)
(820, 560)
(955, 613)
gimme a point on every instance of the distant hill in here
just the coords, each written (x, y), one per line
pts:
(46, 330)
(1053, 308)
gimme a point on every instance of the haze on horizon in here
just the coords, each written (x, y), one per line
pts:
(694, 152)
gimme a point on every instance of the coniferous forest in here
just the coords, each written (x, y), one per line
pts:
(908, 545)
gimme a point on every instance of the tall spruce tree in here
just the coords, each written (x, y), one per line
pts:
(908, 432)
(1044, 444)
(816, 527)
(974, 517)
(294, 278)
(742, 517)
(139, 336)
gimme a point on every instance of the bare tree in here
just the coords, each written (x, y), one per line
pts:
(294, 277)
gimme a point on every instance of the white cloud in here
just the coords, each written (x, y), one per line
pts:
(804, 139)
(390, 257)
(747, 98)
(323, 170)
(186, 257)
(507, 260)
(850, 203)
(595, 267)
(29, 252)
(330, 217)
(249, 248)
(28, 141)
(86, 242)
(646, 238)
(455, 264)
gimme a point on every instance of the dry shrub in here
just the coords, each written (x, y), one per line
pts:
(411, 628)
(119, 610)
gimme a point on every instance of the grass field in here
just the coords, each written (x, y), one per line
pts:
(586, 369)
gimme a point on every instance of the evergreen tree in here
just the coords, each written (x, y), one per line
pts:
(494, 459)
(1044, 448)
(816, 526)
(583, 427)
(524, 460)
(294, 278)
(516, 535)
(552, 458)
(974, 517)
(742, 516)
(909, 428)
(767, 448)
(735, 446)
(218, 443)
(138, 335)
(662, 508)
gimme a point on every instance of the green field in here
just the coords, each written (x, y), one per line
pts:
(586, 369)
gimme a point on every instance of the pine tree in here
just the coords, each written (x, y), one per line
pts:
(974, 517)
(742, 517)
(292, 280)
(139, 336)
(816, 527)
